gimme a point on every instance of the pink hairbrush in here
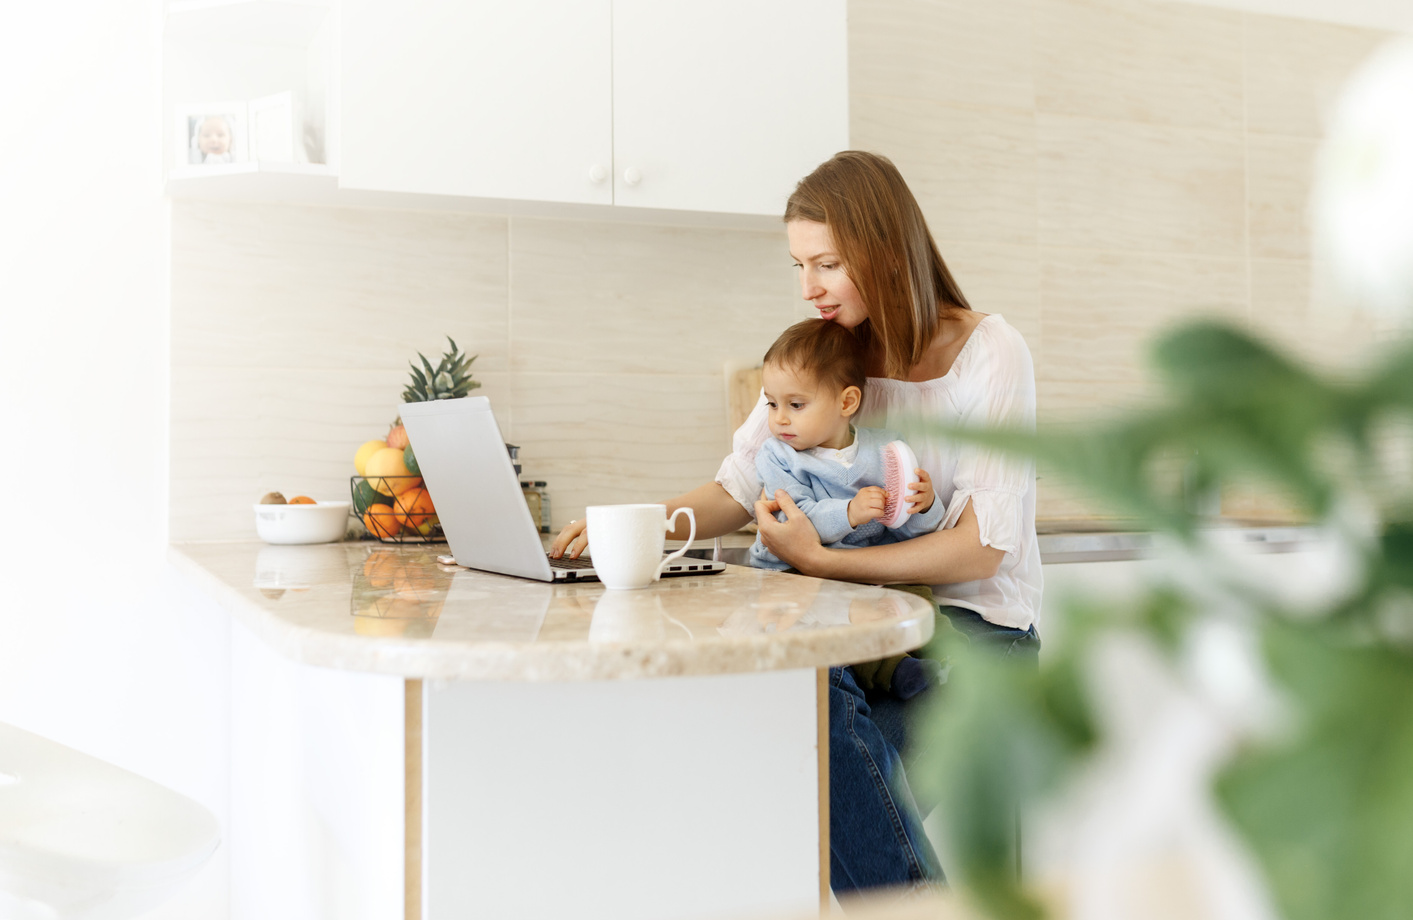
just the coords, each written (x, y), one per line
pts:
(899, 466)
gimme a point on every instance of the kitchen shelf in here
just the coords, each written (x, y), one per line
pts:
(316, 184)
(312, 183)
(269, 22)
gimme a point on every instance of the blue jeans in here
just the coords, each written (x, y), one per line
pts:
(875, 826)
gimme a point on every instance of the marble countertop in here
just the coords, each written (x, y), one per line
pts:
(396, 610)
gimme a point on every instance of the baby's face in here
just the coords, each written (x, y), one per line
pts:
(214, 137)
(803, 414)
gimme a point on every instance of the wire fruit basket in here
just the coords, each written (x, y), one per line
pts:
(395, 509)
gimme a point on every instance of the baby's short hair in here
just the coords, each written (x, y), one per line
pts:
(823, 349)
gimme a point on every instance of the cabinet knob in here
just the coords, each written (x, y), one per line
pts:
(597, 173)
(632, 176)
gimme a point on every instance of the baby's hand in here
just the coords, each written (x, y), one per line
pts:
(867, 505)
(922, 500)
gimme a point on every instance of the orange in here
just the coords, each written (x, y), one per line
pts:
(302, 500)
(388, 474)
(413, 508)
(381, 522)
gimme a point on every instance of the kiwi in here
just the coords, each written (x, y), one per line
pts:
(273, 498)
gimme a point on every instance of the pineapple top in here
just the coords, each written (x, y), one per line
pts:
(450, 379)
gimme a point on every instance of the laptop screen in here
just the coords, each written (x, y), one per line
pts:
(462, 457)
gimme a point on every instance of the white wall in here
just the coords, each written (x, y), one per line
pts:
(98, 649)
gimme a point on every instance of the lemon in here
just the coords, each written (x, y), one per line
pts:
(388, 463)
(360, 459)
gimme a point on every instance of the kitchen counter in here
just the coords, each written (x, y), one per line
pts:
(406, 730)
(418, 797)
(395, 610)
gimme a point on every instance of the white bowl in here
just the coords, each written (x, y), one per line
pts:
(323, 522)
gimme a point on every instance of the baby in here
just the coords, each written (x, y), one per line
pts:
(813, 380)
(213, 140)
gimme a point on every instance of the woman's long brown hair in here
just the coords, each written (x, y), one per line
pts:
(887, 252)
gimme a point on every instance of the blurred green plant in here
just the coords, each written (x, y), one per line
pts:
(1327, 806)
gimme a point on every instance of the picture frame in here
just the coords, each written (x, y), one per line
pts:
(210, 133)
(275, 132)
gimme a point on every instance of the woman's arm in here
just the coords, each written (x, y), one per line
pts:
(717, 513)
(944, 557)
(713, 505)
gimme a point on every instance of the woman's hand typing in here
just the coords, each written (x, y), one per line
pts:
(573, 539)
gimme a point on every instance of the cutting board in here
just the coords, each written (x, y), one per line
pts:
(743, 392)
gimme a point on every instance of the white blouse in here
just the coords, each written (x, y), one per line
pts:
(991, 383)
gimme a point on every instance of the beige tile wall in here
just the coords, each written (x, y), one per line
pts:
(1140, 161)
(1093, 169)
(600, 345)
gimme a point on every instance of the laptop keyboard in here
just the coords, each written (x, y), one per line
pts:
(564, 562)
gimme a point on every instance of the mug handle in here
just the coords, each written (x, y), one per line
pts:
(691, 535)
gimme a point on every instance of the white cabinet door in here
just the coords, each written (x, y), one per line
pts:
(481, 98)
(724, 106)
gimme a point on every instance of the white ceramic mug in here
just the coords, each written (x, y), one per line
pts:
(626, 542)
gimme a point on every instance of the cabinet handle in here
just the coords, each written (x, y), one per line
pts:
(632, 176)
(597, 173)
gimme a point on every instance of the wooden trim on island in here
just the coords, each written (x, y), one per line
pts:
(822, 715)
(412, 800)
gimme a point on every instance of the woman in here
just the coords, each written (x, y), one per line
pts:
(867, 261)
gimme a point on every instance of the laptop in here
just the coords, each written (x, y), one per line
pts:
(462, 457)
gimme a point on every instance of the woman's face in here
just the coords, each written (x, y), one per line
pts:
(823, 281)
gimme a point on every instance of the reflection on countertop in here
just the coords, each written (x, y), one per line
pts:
(396, 609)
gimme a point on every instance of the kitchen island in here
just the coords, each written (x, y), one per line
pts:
(411, 739)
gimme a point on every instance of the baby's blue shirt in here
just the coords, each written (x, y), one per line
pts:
(823, 487)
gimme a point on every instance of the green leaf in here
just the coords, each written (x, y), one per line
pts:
(1207, 362)
(1396, 547)
(1390, 384)
(1329, 809)
(995, 736)
(1330, 812)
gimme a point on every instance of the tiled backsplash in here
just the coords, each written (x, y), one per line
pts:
(601, 345)
(1092, 169)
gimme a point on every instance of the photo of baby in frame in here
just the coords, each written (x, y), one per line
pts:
(210, 133)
